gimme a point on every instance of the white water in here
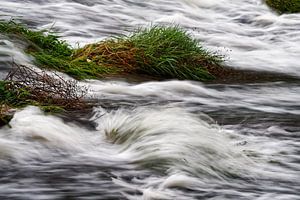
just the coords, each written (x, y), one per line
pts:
(195, 155)
(162, 140)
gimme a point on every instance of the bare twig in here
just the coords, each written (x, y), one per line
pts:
(47, 88)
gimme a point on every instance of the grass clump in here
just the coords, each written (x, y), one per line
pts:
(39, 41)
(170, 51)
(119, 53)
(78, 69)
(167, 52)
(51, 52)
(164, 52)
(284, 6)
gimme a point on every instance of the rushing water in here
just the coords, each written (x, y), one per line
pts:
(162, 140)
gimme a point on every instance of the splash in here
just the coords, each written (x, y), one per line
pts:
(172, 140)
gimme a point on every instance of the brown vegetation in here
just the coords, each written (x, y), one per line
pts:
(120, 54)
(46, 88)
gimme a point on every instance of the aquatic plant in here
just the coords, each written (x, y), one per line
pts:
(166, 52)
(284, 6)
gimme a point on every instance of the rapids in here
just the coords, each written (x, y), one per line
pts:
(180, 140)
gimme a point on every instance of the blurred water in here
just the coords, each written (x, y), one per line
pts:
(246, 31)
(162, 140)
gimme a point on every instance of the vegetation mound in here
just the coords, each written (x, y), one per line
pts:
(166, 52)
(284, 6)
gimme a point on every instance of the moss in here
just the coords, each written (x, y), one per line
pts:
(166, 52)
(284, 6)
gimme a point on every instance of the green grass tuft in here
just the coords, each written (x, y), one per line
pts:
(38, 40)
(166, 52)
(51, 52)
(284, 6)
(172, 52)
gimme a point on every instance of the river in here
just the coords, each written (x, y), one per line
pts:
(180, 140)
